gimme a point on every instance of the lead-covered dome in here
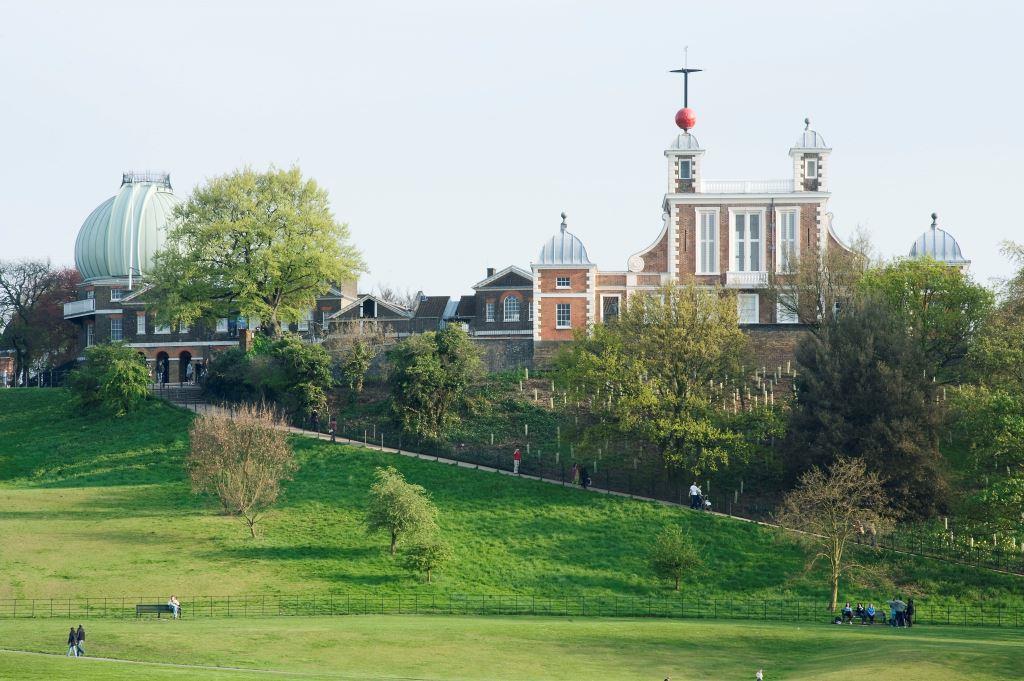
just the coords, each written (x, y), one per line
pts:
(564, 248)
(810, 139)
(125, 231)
(938, 244)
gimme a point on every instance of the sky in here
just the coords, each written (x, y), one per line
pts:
(450, 135)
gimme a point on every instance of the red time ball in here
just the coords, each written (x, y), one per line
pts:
(686, 118)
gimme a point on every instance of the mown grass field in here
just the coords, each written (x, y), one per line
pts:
(513, 649)
(101, 508)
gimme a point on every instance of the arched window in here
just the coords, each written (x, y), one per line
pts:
(511, 309)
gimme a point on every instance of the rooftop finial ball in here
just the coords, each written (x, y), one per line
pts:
(686, 118)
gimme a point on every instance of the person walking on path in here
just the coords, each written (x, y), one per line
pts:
(72, 643)
(332, 426)
(695, 495)
(314, 418)
(80, 635)
(585, 478)
(516, 458)
(575, 474)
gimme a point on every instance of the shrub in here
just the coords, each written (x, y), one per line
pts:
(673, 555)
(399, 507)
(113, 378)
(427, 552)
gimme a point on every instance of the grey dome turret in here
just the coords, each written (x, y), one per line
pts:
(564, 248)
(938, 244)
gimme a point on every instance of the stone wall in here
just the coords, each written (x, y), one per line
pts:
(505, 354)
(772, 345)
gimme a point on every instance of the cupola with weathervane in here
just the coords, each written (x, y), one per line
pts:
(685, 154)
(810, 161)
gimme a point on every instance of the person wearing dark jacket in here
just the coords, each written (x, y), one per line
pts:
(585, 478)
(908, 614)
(80, 635)
(72, 643)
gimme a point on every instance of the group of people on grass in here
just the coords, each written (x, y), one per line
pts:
(901, 613)
(76, 642)
(580, 475)
(697, 500)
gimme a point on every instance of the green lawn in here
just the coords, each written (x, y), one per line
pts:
(100, 508)
(516, 649)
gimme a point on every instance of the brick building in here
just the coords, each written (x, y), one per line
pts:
(716, 233)
(501, 305)
(114, 251)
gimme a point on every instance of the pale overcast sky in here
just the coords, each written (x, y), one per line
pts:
(451, 134)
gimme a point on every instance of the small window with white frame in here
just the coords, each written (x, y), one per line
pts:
(116, 329)
(90, 294)
(222, 325)
(116, 293)
(747, 308)
(811, 168)
(562, 282)
(609, 308)
(489, 312)
(786, 311)
(140, 324)
(563, 316)
(685, 169)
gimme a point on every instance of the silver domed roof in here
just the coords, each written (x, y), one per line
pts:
(810, 139)
(686, 142)
(564, 248)
(938, 244)
(127, 229)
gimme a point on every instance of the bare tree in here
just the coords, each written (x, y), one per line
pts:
(815, 286)
(32, 297)
(242, 458)
(393, 294)
(829, 509)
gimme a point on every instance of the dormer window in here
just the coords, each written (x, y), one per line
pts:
(811, 169)
(685, 169)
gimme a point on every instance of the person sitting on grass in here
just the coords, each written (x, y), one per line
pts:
(847, 613)
(871, 613)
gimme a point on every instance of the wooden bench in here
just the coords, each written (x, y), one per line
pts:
(150, 608)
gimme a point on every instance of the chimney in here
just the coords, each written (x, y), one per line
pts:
(490, 271)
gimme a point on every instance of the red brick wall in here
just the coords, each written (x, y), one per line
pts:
(656, 258)
(611, 280)
(548, 278)
(577, 315)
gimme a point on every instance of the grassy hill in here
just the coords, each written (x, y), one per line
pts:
(101, 508)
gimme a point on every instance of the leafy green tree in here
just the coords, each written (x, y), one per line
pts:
(996, 358)
(430, 375)
(942, 306)
(399, 508)
(649, 375)
(263, 245)
(113, 378)
(672, 555)
(862, 392)
(427, 553)
(354, 350)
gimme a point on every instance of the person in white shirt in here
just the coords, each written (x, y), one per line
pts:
(695, 495)
(759, 676)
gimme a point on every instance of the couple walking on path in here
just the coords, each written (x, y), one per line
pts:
(76, 642)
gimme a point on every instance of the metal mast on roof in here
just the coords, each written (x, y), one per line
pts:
(686, 71)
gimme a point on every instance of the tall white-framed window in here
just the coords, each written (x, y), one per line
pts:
(116, 329)
(89, 335)
(747, 306)
(324, 316)
(116, 293)
(563, 316)
(489, 312)
(610, 308)
(811, 168)
(511, 309)
(140, 323)
(707, 241)
(747, 240)
(685, 169)
(562, 282)
(786, 309)
(529, 311)
(787, 239)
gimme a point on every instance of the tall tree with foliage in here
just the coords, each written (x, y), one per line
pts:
(32, 297)
(862, 391)
(430, 375)
(830, 508)
(996, 357)
(648, 375)
(941, 305)
(353, 349)
(399, 508)
(263, 245)
(113, 378)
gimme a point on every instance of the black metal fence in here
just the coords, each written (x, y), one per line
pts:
(682, 606)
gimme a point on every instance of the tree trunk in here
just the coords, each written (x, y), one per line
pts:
(677, 582)
(394, 542)
(428, 575)
(835, 592)
(252, 527)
